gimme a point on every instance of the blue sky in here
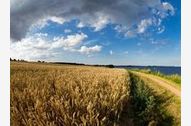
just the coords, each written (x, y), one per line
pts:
(149, 35)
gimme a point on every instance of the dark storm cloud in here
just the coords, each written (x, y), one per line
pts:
(93, 13)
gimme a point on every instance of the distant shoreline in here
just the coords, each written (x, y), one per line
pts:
(163, 69)
(168, 70)
(73, 63)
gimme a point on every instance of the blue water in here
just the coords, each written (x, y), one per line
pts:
(163, 69)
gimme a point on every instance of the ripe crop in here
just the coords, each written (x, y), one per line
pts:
(46, 94)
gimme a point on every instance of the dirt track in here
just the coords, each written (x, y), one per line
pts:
(160, 81)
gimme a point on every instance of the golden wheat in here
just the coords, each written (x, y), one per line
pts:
(56, 95)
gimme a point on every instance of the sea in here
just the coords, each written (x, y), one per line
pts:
(168, 70)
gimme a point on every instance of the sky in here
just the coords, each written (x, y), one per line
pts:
(119, 32)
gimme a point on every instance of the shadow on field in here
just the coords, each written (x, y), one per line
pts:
(145, 108)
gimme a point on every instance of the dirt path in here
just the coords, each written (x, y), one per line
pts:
(161, 82)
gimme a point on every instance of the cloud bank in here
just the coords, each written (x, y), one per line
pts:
(131, 16)
(38, 47)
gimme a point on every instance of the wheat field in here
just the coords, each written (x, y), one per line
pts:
(56, 95)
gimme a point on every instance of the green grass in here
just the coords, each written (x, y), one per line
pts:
(174, 77)
(147, 109)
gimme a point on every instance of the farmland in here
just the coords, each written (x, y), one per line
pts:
(46, 94)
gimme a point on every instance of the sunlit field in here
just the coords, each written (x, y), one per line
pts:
(56, 95)
(44, 94)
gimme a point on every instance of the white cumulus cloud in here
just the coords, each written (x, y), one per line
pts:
(88, 50)
(69, 41)
(58, 20)
(145, 23)
(39, 47)
(31, 48)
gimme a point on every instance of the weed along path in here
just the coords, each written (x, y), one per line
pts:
(166, 95)
(161, 82)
